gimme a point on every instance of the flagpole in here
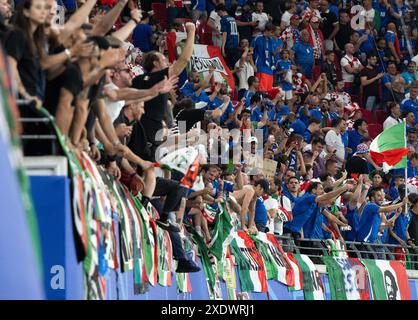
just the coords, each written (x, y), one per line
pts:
(406, 168)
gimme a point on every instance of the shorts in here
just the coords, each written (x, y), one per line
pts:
(288, 95)
(266, 81)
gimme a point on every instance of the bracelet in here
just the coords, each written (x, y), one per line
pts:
(68, 53)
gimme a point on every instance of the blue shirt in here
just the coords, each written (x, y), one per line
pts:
(369, 223)
(304, 57)
(393, 192)
(247, 95)
(260, 212)
(142, 37)
(217, 103)
(256, 114)
(282, 65)
(400, 227)
(199, 5)
(354, 139)
(229, 25)
(305, 207)
(353, 220)
(409, 105)
(386, 93)
(263, 54)
(412, 171)
(385, 17)
(313, 227)
(368, 45)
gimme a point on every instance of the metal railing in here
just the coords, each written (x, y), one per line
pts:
(30, 134)
(316, 249)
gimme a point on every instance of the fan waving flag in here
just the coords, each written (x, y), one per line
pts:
(388, 279)
(202, 59)
(389, 148)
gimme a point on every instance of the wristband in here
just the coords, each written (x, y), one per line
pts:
(68, 53)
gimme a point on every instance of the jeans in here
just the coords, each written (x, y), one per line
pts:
(178, 251)
(173, 192)
(370, 103)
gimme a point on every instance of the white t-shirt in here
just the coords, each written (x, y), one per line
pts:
(284, 202)
(243, 75)
(271, 204)
(286, 18)
(353, 62)
(263, 18)
(335, 141)
(390, 121)
(113, 107)
(216, 19)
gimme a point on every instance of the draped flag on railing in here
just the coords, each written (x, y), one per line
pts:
(251, 270)
(388, 280)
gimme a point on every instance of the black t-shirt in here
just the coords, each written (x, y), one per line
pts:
(154, 108)
(191, 117)
(17, 46)
(413, 228)
(246, 32)
(330, 72)
(356, 165)
(373, 88)
(71, 79)
(343, 35)
(328, 20)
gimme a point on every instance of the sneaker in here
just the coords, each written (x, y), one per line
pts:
(168, 225)
(186, 266)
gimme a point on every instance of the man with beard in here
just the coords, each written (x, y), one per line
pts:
(369, 78)
(373, 215)
(391, 285)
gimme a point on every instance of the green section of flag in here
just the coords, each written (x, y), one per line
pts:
(376, 279)
(336, 279)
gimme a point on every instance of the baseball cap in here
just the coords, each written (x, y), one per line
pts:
(252, 139)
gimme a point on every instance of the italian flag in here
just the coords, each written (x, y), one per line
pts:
(312, 286)
(342, 278)
(278, 267)
(203, 57)
(389, 148)
(388, 280)
(297, 272)
(251, 270)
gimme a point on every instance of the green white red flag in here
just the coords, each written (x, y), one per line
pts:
(389, 147)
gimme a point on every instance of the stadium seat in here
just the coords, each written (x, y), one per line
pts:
(374, 129)
(367, 115)
(205, 33)
(381, 116)
(160, 13)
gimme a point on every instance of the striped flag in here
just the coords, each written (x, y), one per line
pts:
(278, 267)
(251, 270)
(297, 272)
(389, 147)
(388, 280)
(203, 57)
(342, 278)
(313, 289)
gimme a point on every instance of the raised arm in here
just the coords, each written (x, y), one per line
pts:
(178, 66)
(106, 23)
(79, 17)
(328, 196)
(123, 33)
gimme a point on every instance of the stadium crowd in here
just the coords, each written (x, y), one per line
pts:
(315, 82)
